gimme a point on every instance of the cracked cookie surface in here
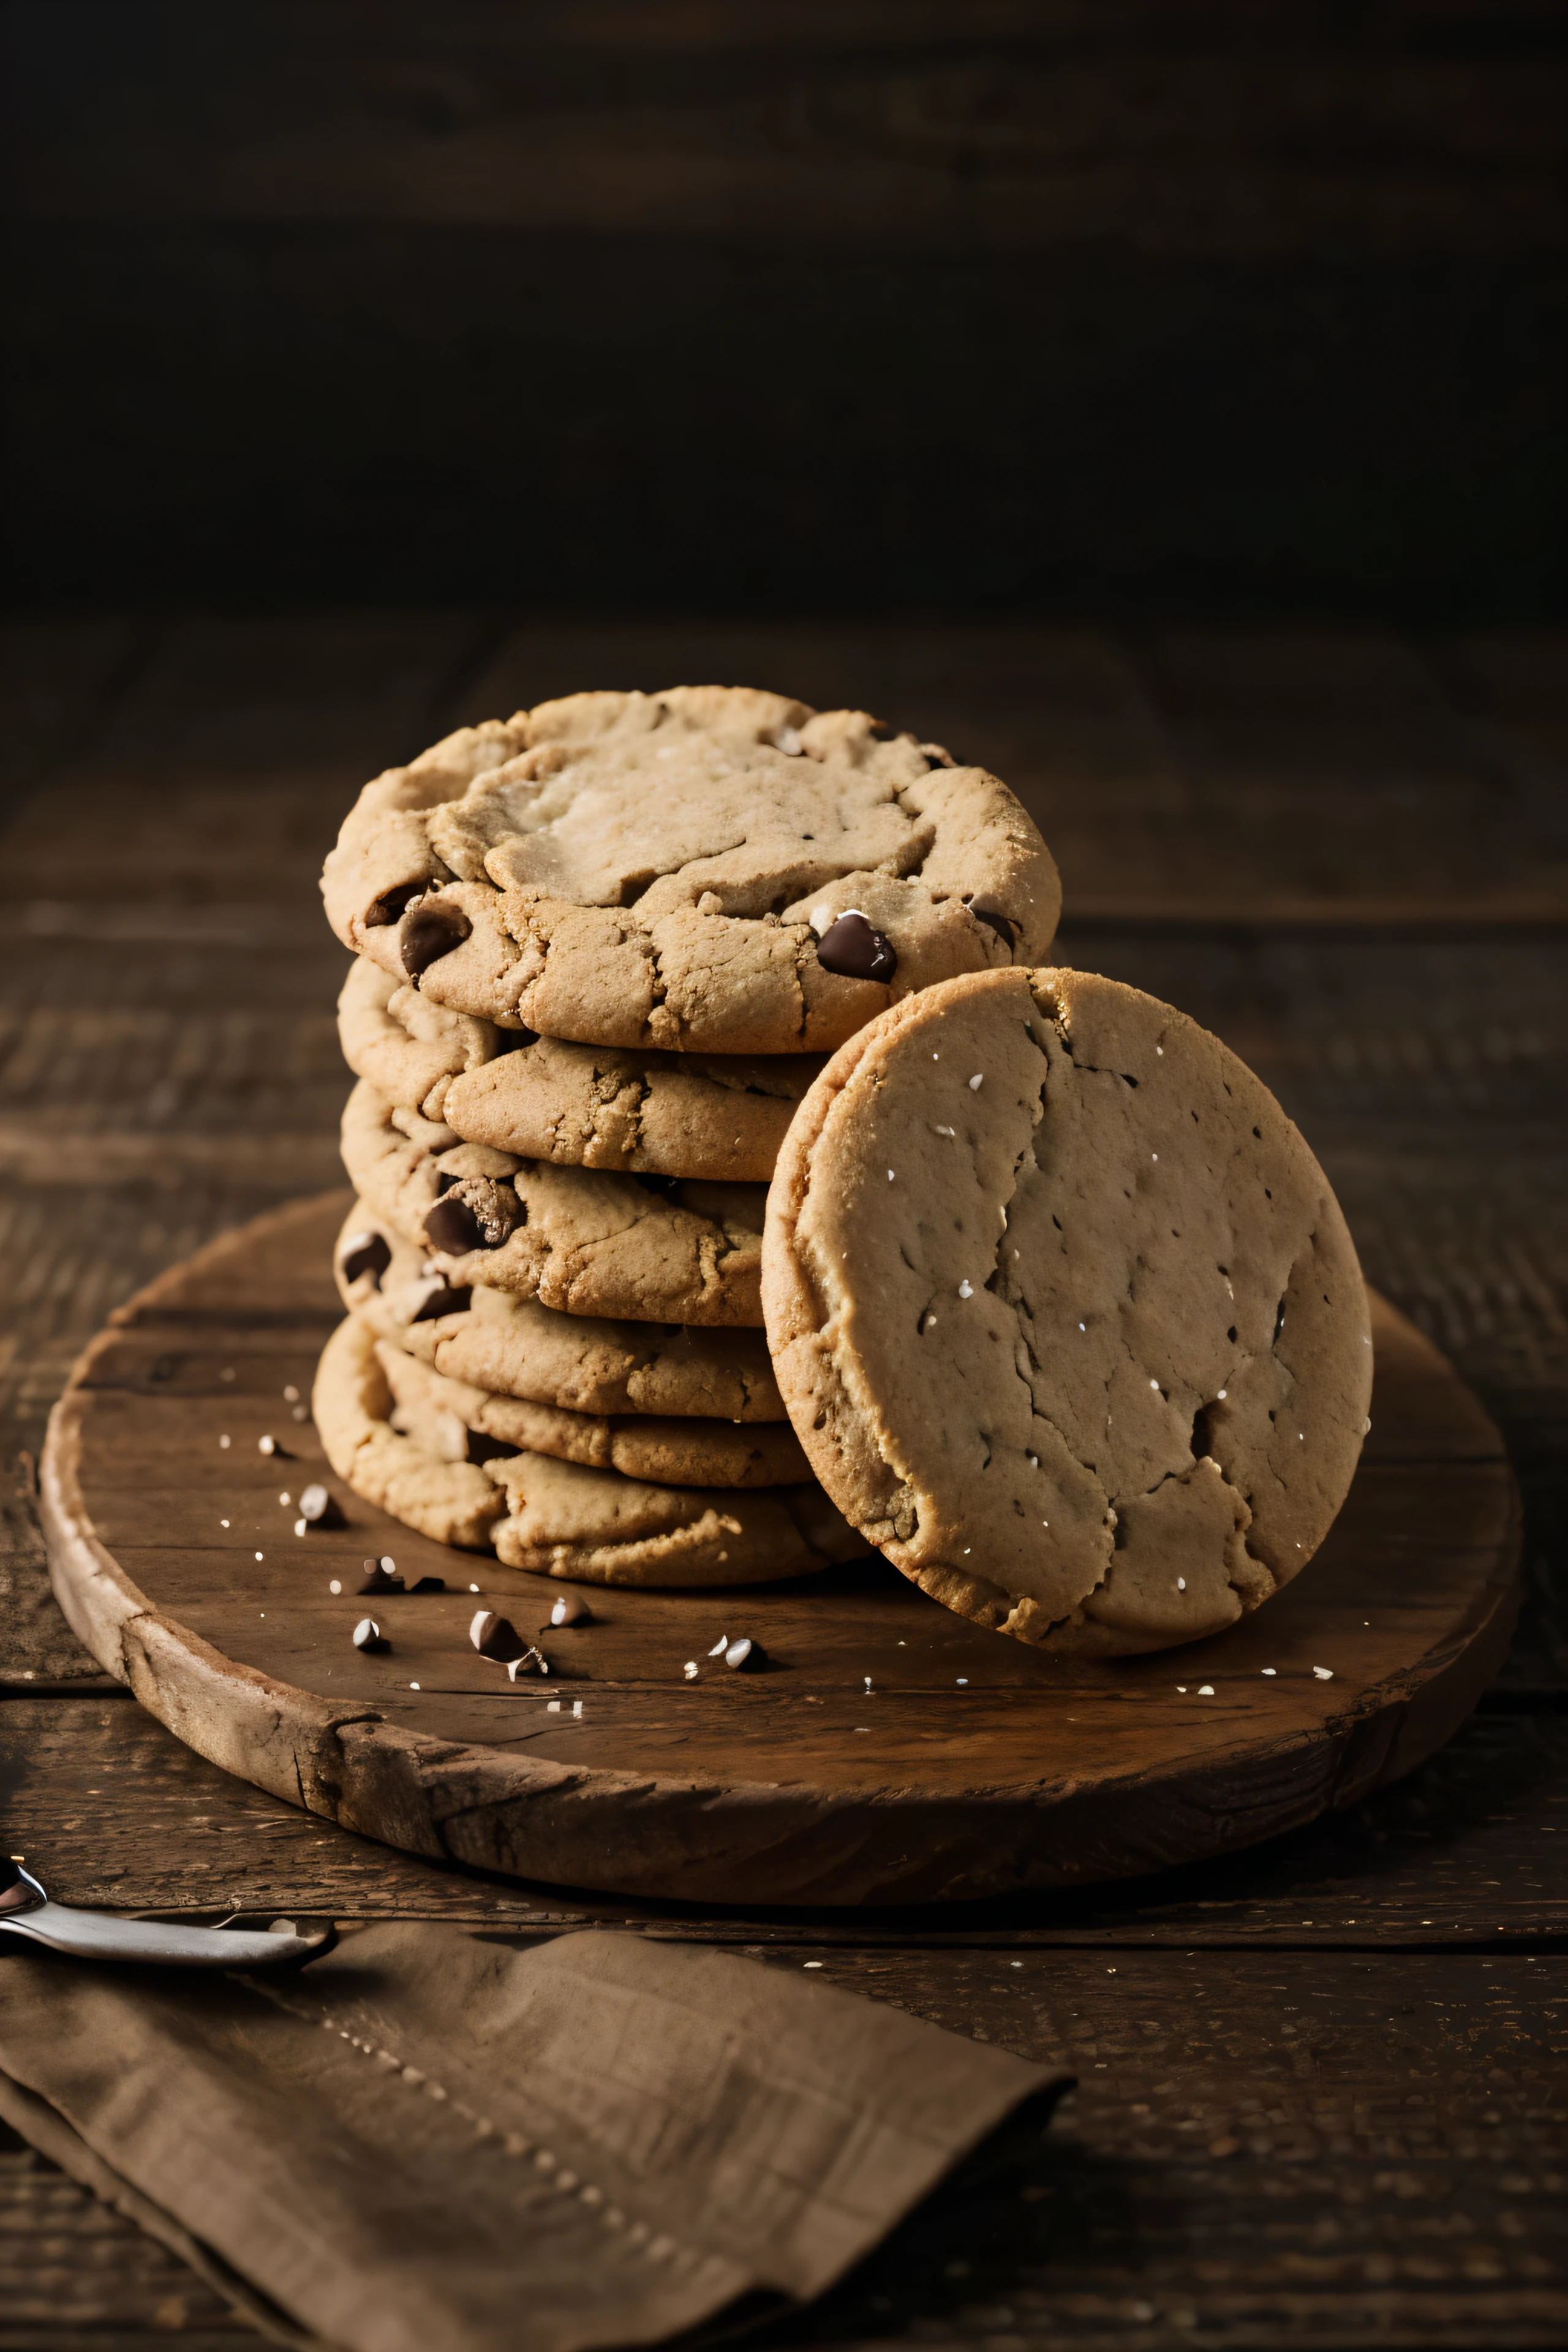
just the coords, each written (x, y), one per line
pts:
(634, 870)
(497, 1341)
(721, 1117)
(558, 1518)
(1065, 1313)
(651, 1250)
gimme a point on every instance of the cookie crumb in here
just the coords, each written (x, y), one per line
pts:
(224, 1442)
(976, 1082)
(1206, 1690)
(335, 1585)
(692, 1670)
(1322, 1673)
(1181, 1583)
(966, 1289)
(1267, 1670)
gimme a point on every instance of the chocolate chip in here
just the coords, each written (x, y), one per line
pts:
(429, 932)
(451, 1225)
(745, 1655)
(1005, 929)
(429, 1584)
(377, 1579)
(390, 904)
(852, 948)
(570, 1610)
(317, 1508)
(366, 1253)
(479, 1212)
(441, 1298)
(368, 1635)
(496, 1637)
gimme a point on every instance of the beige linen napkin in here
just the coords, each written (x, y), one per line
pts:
(433, 2139)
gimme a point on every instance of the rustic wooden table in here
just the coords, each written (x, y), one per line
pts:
(1331, 2112)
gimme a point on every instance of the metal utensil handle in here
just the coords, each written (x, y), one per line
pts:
(97, 1935)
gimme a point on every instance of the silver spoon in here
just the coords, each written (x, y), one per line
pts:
(26, 1913)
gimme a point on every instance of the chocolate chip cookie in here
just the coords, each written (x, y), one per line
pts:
(585, 1364)
(653, 1249)
(557, 1519)
(1065, 1312)
(461, 1422)
(710, 870)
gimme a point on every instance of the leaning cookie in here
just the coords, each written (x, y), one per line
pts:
(712, 870)
(653, 1249)
(462, 1423)
(555, 1518)
(515, 1347)
(1065, 1313)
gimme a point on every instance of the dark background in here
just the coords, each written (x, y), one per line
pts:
(1246, 311)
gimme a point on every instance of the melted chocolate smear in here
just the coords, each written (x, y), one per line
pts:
(445, 1301)
(1005, 929)
(853, 950)
(372, 1257)
(390, 904)
(451, 1225)
(430, 932)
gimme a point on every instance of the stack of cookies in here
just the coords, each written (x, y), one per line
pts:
(603, 948)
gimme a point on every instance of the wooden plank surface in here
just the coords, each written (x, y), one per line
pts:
(892, 1751)
(1425, 1059)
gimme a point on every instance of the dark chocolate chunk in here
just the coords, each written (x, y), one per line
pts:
(368, 1635)
(1005, 929)
(451, 1225)
(431, 931)
(429, 1584)
(391, 904)
(318, 1509)
(367, 1253)
(441, 1298)
(852, 948)
(744, 1656)
(496, 1637)
(478, 1212)
(378, 1578)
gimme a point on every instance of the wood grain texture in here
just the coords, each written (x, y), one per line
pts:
(926, 1759)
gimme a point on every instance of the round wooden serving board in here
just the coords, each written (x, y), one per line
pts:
(891, 1753)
